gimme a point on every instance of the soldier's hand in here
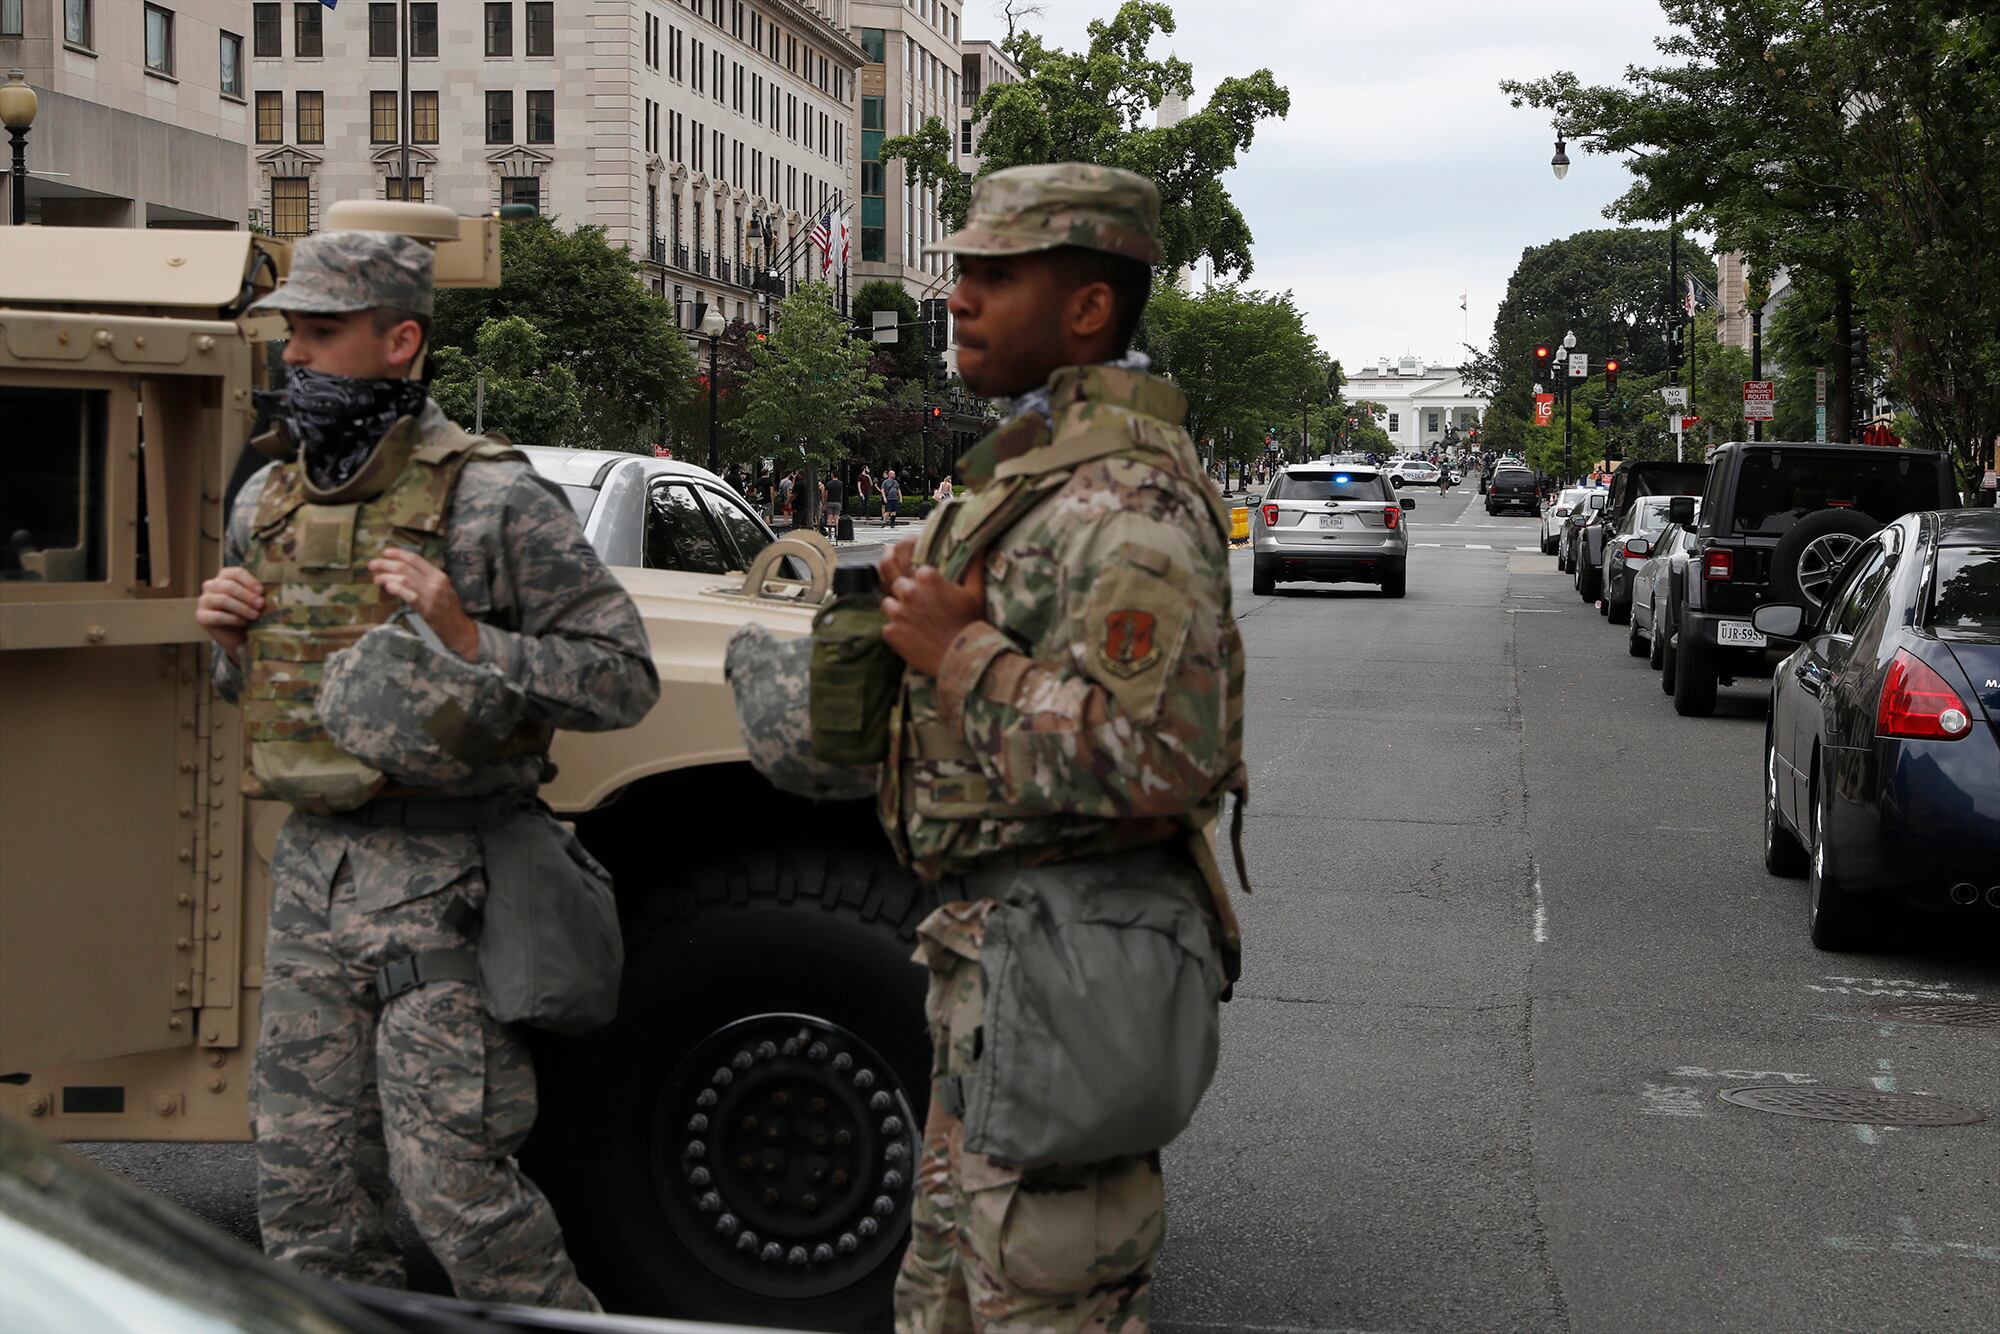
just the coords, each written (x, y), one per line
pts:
(899, 563)
(927, 612)
(427, 590)
(228, 606)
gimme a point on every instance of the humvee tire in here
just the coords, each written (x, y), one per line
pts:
(784, 967)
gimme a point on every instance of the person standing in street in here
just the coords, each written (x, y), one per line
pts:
(379, 1072)
(1069, 724)
(892, 497)
(836, 494)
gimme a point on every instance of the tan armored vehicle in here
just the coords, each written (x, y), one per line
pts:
(739, 1144)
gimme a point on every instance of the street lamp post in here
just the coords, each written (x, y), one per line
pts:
(17, 111)
(1569, 347)
(712, 324)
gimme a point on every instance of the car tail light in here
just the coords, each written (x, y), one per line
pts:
(1718, 565)
(1392, 516)
(1270, 516)
(1918, 703)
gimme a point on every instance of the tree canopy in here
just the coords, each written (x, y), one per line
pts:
(1850, 140)
(1243, 358)
(526, 396)
(1093, 106)
(583, 297)
(809, 382)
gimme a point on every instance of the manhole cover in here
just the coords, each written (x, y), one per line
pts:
(1943, 1012)
(1868, 1107)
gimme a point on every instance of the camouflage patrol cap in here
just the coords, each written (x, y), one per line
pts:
(335, 272)
(1023, 210)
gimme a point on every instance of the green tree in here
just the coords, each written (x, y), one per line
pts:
(928, 156)
(532, 400)
(689, 419)
(1856, 142)
(583, 297)
(1093, 105)
(809, 383)
(906, 355)
(1608, 287)
(1243, 359)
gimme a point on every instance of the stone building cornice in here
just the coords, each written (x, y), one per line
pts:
(798, 16)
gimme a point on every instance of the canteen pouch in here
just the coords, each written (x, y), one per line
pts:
(768, 679)
(855, 676)
(550, 954)
(1102, 1020)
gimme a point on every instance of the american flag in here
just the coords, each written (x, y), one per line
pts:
(845, 241)
(821, 239)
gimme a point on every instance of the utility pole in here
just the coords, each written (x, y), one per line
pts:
(403, 50)
(1757, 361)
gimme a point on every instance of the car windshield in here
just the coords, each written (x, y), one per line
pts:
(581, 499)
(1777, 488)
(1652, 512)
(1571, 497)
(1327, 486)
(1968, 589)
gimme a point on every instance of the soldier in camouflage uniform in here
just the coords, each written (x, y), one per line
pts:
(364, 1091)
(1072, 714)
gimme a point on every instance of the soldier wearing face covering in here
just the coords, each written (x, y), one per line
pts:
(380, 1072)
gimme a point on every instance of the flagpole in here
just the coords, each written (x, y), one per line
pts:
(403, 49)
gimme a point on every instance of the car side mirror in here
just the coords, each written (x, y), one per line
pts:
(1638, 546)
(1680, 510)
(1409, 504)
(1780, 620)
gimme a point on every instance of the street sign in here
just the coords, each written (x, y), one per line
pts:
(1819, 387)
(1760, 400)
(1545, 409)
(1579, 365)
(1819, 424)
(1676, 395)
(883, 323)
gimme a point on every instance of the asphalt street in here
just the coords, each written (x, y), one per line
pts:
(1510, 940)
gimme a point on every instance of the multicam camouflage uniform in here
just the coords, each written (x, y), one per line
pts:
(425, 1096)
(1097, 710)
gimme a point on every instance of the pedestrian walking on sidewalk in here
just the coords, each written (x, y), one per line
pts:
(1070, 723)
(835, 494)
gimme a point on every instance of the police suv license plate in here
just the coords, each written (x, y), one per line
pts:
(1740, 634)
(1329, 521)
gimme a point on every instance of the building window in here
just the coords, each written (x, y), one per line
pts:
(1395, 419)
(159, 40)
(872, 176)
(291, 206)
(267, 31)
(965, 136)
(500, 28)
(232, 65)
(871, 114)
(308, 36)
(392, 188)
(424, 34)
(12, 19)
(500, 117)
(541, 117)
(270, 118)
(423, 119)
(541, 26)
(312, 117)
(76, 22)
(382, 30)
(874, 244)
(522, 190)
(382, 118)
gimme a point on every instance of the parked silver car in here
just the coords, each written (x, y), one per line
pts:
(1556, 511)
(1628, 548)
(1652, 595)
(1329, 522)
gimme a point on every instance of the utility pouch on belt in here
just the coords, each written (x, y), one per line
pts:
(401, 702)
(549, 950)
(1102, 1026)
(854, 679)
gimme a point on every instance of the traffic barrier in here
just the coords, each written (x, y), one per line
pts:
(1239, 524)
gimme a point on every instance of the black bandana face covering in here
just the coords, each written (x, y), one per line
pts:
(336, 419)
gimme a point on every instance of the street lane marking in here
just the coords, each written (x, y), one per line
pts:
(1677, 1100)
(1742, 1076)
(1907, 1242)
(1534, 611)
(1894, 988)
(1541, 913)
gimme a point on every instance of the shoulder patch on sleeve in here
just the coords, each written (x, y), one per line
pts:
(1134, 624)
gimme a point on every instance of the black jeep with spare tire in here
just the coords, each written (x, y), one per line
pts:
(1777, 521)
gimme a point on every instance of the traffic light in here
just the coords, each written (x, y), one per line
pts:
(1543, 354)
(1603, 418)
(1611, 365)
(937, 325)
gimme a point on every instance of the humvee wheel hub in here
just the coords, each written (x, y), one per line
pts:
(784, 1151)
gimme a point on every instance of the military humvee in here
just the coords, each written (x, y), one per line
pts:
(738, 1145)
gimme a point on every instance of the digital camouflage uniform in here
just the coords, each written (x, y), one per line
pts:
(1096, 711)
(426, 1097)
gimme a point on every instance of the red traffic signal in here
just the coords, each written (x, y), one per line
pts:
(937, 412)
(1611, 366)
(1543, 352)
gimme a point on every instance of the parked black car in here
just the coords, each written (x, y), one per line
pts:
(1628, 484)
(1882, 753)
(1777, 521)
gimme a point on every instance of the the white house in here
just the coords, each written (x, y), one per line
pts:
(1419, 401)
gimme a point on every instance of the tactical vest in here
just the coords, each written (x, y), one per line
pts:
(310, 550)
(1032, 468)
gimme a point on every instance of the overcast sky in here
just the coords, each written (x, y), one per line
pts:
(1401, 178)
